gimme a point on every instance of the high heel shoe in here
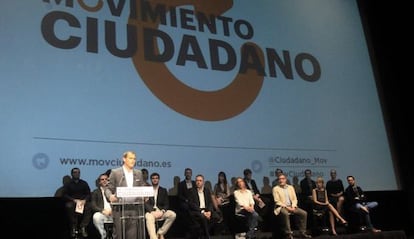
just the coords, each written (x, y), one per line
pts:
(344, 223)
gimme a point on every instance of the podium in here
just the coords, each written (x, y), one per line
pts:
(129, 211)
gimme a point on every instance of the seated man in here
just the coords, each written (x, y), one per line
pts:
(355, 197)
(145, 176)
(157, 208)
(260, 203)
(201, 209)
(102, 211)
(307, 184)
(77, 195)
(279, 172)
(184, 189)
(286, 204)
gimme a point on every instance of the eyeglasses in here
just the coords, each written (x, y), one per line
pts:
(102, 179)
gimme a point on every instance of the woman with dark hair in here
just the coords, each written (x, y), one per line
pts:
(222, 189)
(222, 194)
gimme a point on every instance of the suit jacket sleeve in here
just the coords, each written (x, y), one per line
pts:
(254, 187)
(115, 178)
(292, 196)
(97, 200)
(149, 204)
(193, 200)
(350, 195)
(138, 179)
(163, 202)
(208, 200)
(279, 199)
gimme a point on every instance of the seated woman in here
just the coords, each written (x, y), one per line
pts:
(222, 199)
(320, 200)
(245, 206)
(335, 189)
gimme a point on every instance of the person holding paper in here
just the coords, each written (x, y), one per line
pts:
(77, 195)
(125, 176)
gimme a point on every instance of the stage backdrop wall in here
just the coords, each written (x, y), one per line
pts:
(215, 85)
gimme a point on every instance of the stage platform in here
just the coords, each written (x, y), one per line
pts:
(368, 235)
(46, 218)
(362, 235)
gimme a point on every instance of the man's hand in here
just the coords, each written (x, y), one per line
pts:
(290, 209)
(113, 198)
(107, 212)
(207, 215)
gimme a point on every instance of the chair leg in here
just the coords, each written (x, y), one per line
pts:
(109, 229)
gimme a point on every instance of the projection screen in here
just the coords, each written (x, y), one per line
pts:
(216, 85)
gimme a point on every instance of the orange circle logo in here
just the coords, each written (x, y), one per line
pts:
(203, 105)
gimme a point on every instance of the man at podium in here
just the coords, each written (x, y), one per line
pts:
(125, 211)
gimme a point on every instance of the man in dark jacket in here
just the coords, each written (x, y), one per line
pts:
(157, 209)
(101, 208)
(201, 208)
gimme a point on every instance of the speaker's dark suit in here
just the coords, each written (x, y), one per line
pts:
(117, 179)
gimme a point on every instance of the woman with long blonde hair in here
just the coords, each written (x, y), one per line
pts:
(321, 202)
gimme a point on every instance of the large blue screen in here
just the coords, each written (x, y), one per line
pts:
(212, 85)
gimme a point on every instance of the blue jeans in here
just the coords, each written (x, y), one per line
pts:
(366, 216)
